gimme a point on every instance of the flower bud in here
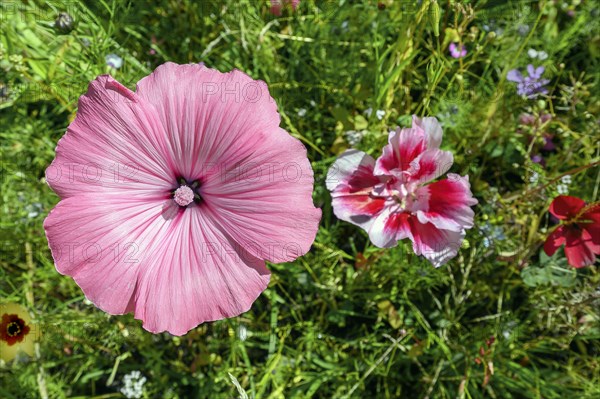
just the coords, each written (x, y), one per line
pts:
(541, 104)
(64, 23)
(434, 17)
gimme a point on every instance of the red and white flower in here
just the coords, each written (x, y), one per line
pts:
(392, 198)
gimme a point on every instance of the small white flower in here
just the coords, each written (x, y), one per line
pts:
(380, 114)
(313, 103)
(368, 112)
(562, 189)
(301, 112)
(345, 25)
(540, 55)
(133, 385)
(114, 61)
(566, 179)
(534, 178)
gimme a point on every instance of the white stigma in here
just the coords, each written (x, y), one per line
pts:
(184, 196)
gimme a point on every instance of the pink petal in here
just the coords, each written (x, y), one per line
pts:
(210, 276)
(266, 198)
(111, 146)
(254, 176)
(404, 145)
(446, 203)
(211, 119)
(431, 164)
(277, 5)
(432, 129)
(350, 180)
(98, 240)
(173, 273)
(437, 246)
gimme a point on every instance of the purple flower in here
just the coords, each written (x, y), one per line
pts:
(537, 158)
(529, 86)
(548, 143)
(457, 51)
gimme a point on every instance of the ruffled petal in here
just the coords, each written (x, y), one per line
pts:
(565, 207)
(447, 203)
(431, 164)
(432, 129)
(352, 172)
(113, 145)
(350, 180)
(404, 145)
(437, 246)
(389, 227)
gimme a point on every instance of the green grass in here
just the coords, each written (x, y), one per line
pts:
(347, 320)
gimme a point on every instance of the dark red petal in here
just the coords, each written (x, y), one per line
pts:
(590, 223)
(566, 207)
(554, 240)
(591, 241)
(577, 251)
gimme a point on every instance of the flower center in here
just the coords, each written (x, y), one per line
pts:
(183, 196)
(188, 191)
(405, 195)
(13, 329)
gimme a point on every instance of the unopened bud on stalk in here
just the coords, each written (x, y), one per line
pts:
(434, 15)
(64, 23)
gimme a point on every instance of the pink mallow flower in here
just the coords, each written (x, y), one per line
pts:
(175, 194)
(393, 198)
(277, 6)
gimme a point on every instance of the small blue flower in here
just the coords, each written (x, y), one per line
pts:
(529, 86)
(114, 61)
